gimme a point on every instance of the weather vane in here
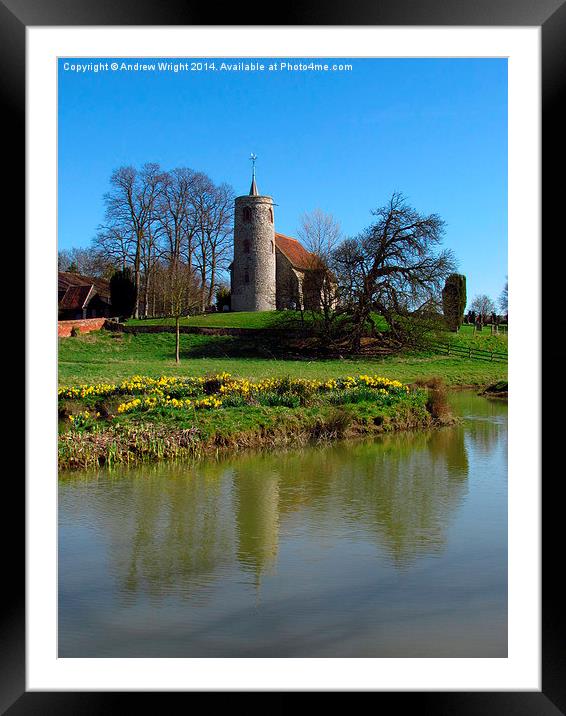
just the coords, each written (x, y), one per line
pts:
(253, 158)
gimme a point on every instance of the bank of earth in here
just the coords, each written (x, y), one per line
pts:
(145, 419)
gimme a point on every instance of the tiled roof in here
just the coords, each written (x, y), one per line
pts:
(75, 297)
(299, 257)
(67, 279)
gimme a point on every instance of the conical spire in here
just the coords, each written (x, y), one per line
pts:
(253, 188)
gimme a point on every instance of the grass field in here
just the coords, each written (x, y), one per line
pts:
(242, 319)
(104, 356)
(484, 341)
(466, 337)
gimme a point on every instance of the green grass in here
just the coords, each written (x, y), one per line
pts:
(95, 430)
(243, 319)
(466, 338)
(240, 319)
(104, 356)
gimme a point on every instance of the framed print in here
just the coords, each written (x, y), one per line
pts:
(283, 435)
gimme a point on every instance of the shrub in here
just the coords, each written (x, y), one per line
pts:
(235, 401)
(75, 331)
(212, 384)
(223, 297)
(500, 387)
(355, 395)
(284, 385)
(333, 426)
(437, 399)
(435, 382)
(275, 399)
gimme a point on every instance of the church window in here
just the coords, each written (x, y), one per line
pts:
(246, 247)
(271, 215)
(246, 277)
(272, 247)
(247, 214)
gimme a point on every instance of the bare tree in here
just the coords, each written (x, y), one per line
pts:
(214, 217)
(202, 201)
(130, 209)
(504, 298)
(320, 233)
(219, 235)
(116, 243)
(182, 293)
(175, 213)
(394, 267)
(88, 261)
(150, 256)
(483, 306)
(156, 220)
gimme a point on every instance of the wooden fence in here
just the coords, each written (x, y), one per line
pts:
(469, 352)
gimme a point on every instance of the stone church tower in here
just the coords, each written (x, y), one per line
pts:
(253, 268)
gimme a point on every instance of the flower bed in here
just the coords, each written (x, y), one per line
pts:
(98, 422)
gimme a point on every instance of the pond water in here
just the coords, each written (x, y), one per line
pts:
(391, 548)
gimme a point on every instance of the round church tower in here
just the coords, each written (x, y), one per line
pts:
(253, 268)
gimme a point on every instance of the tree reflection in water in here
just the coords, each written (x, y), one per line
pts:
(176, 528)
(389, 547)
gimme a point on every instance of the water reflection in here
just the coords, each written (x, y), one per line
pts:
(201, 534)
(174, 526)
(256, 509)
(165, 532)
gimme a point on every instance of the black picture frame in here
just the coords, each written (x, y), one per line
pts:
(550, 15)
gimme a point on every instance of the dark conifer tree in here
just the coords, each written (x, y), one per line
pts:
(123, 294)
(454, 300)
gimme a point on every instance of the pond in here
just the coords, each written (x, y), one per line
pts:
(395, 547)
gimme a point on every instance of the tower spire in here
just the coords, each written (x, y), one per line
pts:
(253, 188)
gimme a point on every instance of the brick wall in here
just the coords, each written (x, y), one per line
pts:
(85, 325)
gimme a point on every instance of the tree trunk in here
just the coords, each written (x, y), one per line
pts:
(177, 339)
(146, 296)
(359, 320)
(137, 272)
(212, 280)
(137, 276)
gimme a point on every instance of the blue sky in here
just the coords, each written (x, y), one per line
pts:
(435, 129)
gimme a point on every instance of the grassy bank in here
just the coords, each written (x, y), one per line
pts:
(110, 357)
(466, 337)
(242, 319)
(147, 419)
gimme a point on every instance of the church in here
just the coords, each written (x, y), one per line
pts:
(270, 271)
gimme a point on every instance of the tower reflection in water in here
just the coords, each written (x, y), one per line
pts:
(178, 528)
(394, 547)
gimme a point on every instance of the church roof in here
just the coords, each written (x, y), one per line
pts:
(299, 257)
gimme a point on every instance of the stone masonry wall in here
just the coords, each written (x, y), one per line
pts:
(253, 269)
(288, 282)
